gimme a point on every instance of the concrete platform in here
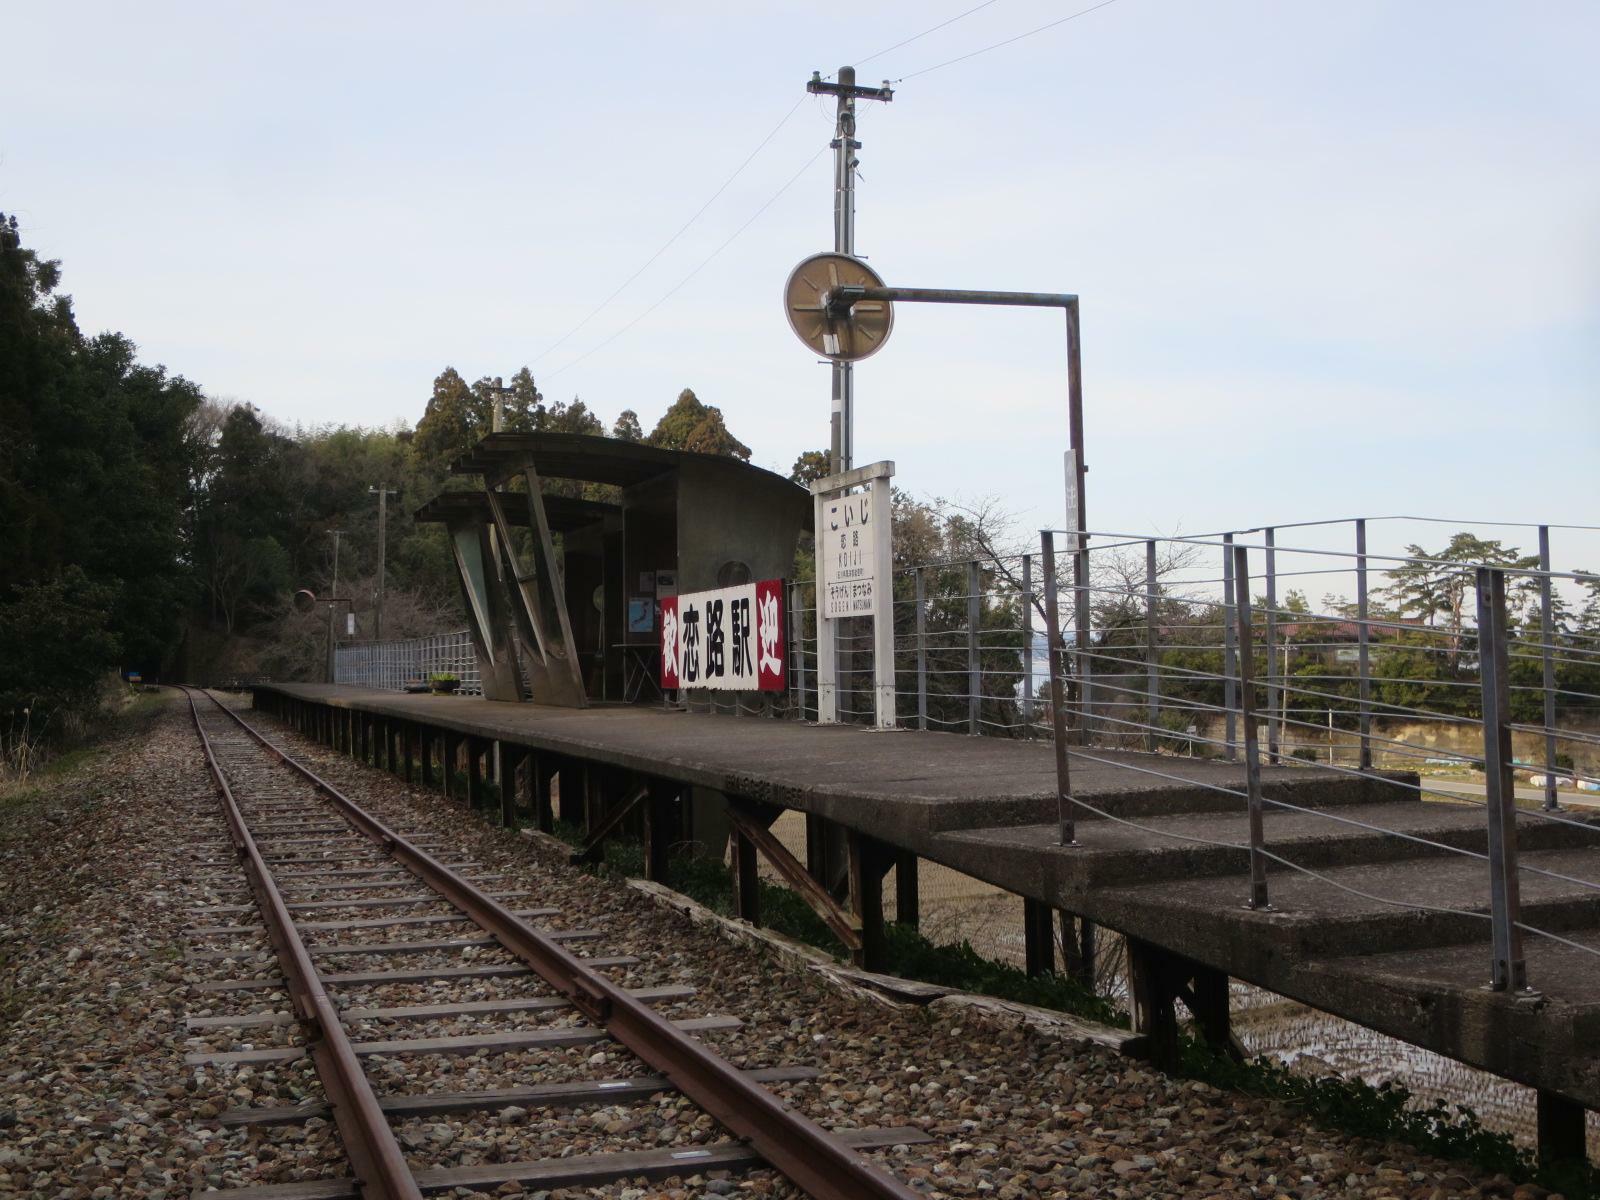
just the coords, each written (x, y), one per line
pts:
(1390, 931)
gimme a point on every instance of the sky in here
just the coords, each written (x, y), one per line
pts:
(1332, 259)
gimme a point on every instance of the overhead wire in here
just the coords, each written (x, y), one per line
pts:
(705, 262)
(919, 36)
(1083, 12)
(666, 245)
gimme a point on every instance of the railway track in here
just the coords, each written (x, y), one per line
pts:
(334, 887)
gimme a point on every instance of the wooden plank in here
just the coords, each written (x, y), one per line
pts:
(577, 1170)
(580, 1170)
(313, 905)
(542, 1095)
(470, 1043)
(556, 935)
(607, 825)
(420, 975)
(371, 884)
(517, 1004)
(439, 919)
(846, 926)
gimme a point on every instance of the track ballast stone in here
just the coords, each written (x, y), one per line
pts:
(98, 1102)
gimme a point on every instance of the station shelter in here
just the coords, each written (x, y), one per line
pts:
(574, 545)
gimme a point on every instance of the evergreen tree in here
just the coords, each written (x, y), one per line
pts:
(691, 425)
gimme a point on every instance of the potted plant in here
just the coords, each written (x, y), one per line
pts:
(443, 682)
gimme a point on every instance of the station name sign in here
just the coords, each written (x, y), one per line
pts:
(730, 638)
(846, 552)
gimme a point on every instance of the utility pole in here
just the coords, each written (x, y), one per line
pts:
(383, 492)
(333, 636)
(845, 162)
(497, 421)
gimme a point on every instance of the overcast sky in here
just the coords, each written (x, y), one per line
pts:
(1332, 258)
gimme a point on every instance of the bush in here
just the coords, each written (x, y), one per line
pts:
(59, 647)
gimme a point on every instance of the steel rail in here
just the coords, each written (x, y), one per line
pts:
(816, 1161)
(379, 1162)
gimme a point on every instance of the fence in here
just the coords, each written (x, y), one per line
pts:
(1208, 646)
(394, 666)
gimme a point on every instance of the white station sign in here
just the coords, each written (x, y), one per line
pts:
(847, 552)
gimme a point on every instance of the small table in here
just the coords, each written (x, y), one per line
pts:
(639, 669)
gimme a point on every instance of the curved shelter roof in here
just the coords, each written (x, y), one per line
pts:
(563, 512)
(610, 460)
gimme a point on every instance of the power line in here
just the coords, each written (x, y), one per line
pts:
(665, 246)
(705, 262)
(925, 32)
(974, 54)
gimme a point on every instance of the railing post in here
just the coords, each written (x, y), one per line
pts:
(1027, 643)
(1364, 649)
(974, 668)
(1230, 666)
(797, 653)
(1509, 970)
(1547, 638)
(1084, 635)
(1055, 650)
(1247, 717)
(1274, 693)
(1152, 684)
(922, 651)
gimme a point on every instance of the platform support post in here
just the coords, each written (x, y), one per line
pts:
(408, 759)
(870, 861)
(1077, 948)
(907, 898)
(746, 889)
(1038, 940)
(511, 759)
(544, 770)
(1560, 1129)
(425, 753)
(474, 776)
(660, 808)
(1157, 980)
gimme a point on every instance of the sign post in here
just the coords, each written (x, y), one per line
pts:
(855, 578)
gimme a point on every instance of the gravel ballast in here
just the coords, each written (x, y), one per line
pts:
(101, 868)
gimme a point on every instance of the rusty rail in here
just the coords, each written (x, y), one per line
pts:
(820, 1163)
(370, 1143)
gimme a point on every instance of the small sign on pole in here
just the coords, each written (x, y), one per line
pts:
(1071, 462)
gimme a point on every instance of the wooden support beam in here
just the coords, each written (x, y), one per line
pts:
(907, 898)
(474, 774)
(544, 772)
(870, 861)
(1560, 1129)
(751, 824)
(607, 825)
(425, 753)
(452, 752)
(1038, 937)
(660, 827)
(1157, 980)
(512, 760)
(1077, 948)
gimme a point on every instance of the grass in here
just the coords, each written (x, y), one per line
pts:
(1349, 1106)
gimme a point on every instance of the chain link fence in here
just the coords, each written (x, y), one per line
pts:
(395, 666)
